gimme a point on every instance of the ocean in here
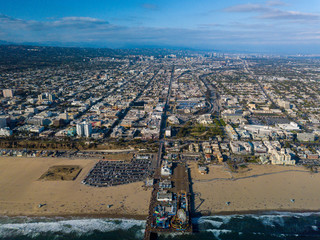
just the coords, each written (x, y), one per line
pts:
(272, 225)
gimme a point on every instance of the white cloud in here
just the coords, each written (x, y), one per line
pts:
(87, 30)
(289, 15)
(275, 3)
(247, 8)
(268, 10)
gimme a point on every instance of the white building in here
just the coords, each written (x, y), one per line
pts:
(84, 129)
(87, 129)
(79, 129)
(5, 132)
(7, 93)
(205, 119)
(240, 147)
(165, 169)
(36, 129)
(282, 157)
(163, 196)
(168, 132)
(292, 126)
(173, 120)
(259, 148)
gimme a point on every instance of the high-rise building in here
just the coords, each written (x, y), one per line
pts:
(87, 129)
(84, 129)
(66, 116)
(79, 129)
(7, 93)
(51, 97)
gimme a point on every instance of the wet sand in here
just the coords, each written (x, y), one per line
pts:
(22, 192)
(259, 188)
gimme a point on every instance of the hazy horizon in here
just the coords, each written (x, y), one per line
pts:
(244, 26)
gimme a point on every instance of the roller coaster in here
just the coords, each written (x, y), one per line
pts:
(180, 221)
(174, 215)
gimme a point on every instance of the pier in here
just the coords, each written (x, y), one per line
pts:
(172, 214)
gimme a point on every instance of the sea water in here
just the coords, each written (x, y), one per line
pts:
(272, 225)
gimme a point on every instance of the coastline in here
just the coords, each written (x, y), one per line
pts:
(80, 216)
(273, 225)
(144, 217)
(257, 212)
(259, 189)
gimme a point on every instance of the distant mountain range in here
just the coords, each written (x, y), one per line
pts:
(13, 56)
(143, 50)
(5, 42)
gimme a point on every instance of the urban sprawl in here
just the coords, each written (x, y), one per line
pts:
(217, 107)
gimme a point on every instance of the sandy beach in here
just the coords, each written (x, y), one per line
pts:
(255, 189)
(22, 192)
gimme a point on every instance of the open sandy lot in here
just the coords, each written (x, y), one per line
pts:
(258, 188)
(21, 191)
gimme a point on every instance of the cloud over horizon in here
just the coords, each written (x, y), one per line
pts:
(264, 24)
(268, 11)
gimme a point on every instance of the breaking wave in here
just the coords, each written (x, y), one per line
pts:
(31, 228)
(270, 225)
(218, 232)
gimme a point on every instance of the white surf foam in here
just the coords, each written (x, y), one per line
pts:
(222, 219)
(270, 220)
(218, 232)
(214, 223)
(172, 234)
(291, 214)
(77, 226)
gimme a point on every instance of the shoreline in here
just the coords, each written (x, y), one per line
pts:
(80, 216)
(144, 217)
(256, 212)
(258, 189)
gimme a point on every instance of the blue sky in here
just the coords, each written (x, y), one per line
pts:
(251, 25)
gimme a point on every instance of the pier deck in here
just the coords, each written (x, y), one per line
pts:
(180, 180)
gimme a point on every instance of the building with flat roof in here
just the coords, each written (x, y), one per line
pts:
(84, 129)
(164, 196)
(306, 137)
(166, 169)
(5, 132)
(7, 93)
